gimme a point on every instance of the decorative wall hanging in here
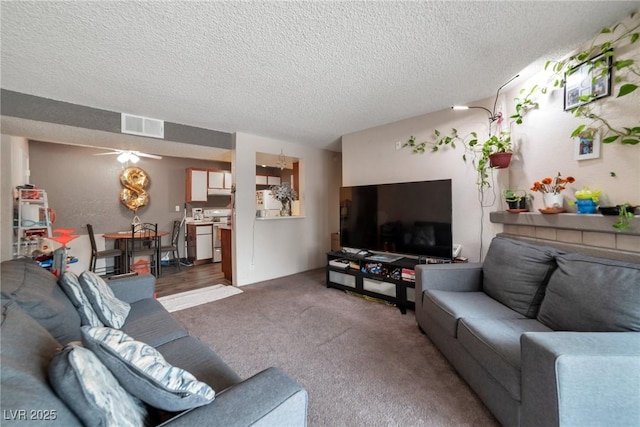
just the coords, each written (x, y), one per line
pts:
(587, 82)
(587, 145)
(134, 195)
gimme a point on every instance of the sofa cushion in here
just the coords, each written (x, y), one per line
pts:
(37, 292)
(446, 308)
(516, 274)
(71, 286)
(495, 345)
(193, 355)
(87, 386)
(149, 322)
(143, 371)
(111, 311)
(590, 294)
(25, 350)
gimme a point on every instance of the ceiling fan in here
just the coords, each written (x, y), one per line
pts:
(129, 155)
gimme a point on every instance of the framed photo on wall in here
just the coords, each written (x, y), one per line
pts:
(587, 145)
(587, 82)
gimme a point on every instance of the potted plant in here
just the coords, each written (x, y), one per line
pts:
(625, 213)
(551, 189)
(285, 194)
(498, 150)
(517, 200)
(496, 153)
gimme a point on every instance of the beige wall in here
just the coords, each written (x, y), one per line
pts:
(270, 248)
(543, 148)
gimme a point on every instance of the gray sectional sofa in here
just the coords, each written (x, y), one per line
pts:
(544, 337)
(38, 320)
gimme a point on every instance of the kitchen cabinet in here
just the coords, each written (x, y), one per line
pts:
(200, 243)
(225, 239)
(196, 185)
(202, 183)
(219, 182)
(273, 180)
(216, 179)
(268, 180)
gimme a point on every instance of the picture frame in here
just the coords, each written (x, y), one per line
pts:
(587, 145)
(591, 79)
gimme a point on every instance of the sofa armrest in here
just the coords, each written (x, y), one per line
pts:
(269, 398)
(133, 288)
(461, 277)
(580, 378)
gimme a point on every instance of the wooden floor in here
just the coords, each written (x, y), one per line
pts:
(173, 281)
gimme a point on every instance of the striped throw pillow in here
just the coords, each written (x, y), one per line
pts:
(144, 372)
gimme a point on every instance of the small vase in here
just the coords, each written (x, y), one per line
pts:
(285, 210)
(586, 206)
(552, 201)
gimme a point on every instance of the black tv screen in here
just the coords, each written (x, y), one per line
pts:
(411, 218)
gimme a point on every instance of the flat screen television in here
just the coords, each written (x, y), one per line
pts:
(409, 218)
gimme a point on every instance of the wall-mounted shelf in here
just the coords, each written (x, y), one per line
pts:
(568, 221)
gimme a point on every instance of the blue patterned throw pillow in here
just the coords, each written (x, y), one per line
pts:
(91, 391)
(144, 372)
(111, 311)
(71, 286)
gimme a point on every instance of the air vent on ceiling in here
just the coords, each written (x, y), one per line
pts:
(143, 126)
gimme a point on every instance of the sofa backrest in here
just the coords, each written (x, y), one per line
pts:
(36, 291)
(516, 274)
(591, 294)
(26, 349)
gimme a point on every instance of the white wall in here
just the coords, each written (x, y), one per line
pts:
(266, 249)
(14, 159)
(543, 148)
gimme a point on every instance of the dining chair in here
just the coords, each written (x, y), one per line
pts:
(145, 242)
(173, 247)
(115, 254)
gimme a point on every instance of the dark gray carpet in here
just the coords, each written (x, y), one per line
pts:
(363, 363)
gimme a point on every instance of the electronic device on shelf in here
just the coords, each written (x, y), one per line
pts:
(457, 250)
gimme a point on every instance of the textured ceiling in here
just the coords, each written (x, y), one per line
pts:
(304, 72)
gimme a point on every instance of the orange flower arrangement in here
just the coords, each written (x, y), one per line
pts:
(552, 185)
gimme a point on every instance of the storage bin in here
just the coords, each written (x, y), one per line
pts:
(383, 288)
(342, 279)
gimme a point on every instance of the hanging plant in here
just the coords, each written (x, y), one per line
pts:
(599, 60)
(480, 154)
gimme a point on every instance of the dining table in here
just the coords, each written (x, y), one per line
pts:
(121, 241)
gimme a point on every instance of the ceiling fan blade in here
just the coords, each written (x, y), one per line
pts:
(151, 156)
(106, 154)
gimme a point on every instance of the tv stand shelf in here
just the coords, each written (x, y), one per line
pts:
(378, 279)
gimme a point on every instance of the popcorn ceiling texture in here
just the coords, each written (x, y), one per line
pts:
(305, 72)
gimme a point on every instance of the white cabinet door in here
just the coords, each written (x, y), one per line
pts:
(204, 242)
(261, 179)
(198, 186)
(273, 180)
(227, 179)
(216, 179)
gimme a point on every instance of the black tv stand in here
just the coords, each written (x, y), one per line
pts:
(384, 276)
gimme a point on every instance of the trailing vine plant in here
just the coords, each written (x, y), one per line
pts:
(600, 61)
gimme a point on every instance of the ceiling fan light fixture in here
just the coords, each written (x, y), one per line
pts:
(128, 156)
(282, 160)
(123, 157)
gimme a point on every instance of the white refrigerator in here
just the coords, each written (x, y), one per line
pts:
(265, 201)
